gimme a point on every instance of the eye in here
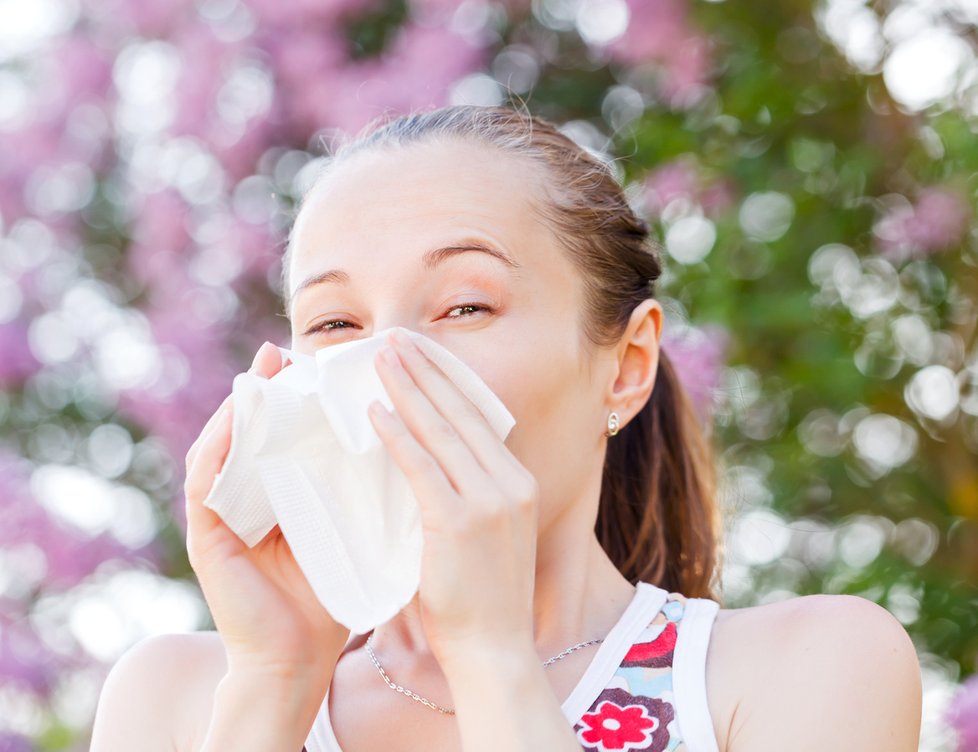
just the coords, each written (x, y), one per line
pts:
(327, 326)
(476, 306)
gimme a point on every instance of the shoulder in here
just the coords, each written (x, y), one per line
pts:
(804, 672)
(159, 692)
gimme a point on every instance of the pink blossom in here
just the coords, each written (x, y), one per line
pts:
(307, 63)
(239, 155)
(683, 179)
(204, 63)
(417, 70)
(940, 219)
(18, 362)
(160, 238)
(27, 662)
(717, 197)
(73, 71)
(181, 333)
(148, 18)
(70, 555)
(936, 222)
(688, 71)
(667, 183)
(255, 247)
(10, 742)
(962, 715)
(301, 13)
(659, 31)
(25, 150)
(84, 69)
(424, 61)
(23, 661)
(656, 29)
(698, 356)
(162, 221)
(307, 52)
(185, 335)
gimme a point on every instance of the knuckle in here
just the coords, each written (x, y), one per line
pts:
(470, 413)
(194, 559)
(460, 525)
(527, 491)
(480, 518)
(397, 429)
(490, 505)
(443, 431)
(526, 501)
(427, 464)
(195, 489)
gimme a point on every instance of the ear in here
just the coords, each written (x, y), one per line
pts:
(638, 361)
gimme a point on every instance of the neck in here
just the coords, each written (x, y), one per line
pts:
(579, 594)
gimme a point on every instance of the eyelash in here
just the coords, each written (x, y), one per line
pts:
(323, 326)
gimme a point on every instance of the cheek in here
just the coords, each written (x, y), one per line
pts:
(540, 389)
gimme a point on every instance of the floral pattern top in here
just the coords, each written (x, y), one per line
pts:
(645, 680)
(636, 711)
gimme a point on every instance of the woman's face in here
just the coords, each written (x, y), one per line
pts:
(376, 218)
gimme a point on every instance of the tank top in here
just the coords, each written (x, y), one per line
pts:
(644, 689)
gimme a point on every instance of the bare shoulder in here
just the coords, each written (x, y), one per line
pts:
(158, 695)
(810, 672)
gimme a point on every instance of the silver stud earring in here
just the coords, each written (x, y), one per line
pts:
(612, 425)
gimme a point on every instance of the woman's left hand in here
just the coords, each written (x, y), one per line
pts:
(479, 508)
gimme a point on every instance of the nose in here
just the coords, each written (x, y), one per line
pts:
(384, 330)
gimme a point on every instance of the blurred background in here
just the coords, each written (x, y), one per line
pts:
(809, 166)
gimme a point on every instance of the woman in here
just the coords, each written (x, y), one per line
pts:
(588, 536)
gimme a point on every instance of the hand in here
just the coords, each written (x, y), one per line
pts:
(267, 614)
(479, 508)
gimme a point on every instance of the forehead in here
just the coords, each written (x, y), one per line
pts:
(405, 200)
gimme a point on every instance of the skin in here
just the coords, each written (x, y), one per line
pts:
(512, 572)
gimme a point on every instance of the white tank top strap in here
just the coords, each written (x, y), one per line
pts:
(689, 675)
(321, 737)
(645, 604)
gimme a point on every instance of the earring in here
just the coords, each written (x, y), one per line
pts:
(612, 425)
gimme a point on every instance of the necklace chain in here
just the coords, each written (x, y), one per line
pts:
(439, 708)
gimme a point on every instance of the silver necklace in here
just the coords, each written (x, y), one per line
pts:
(439, 708)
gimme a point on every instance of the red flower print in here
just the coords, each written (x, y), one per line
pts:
(621, 721)
(614, 727)
(654, 654)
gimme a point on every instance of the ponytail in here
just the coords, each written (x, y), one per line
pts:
(657, 518)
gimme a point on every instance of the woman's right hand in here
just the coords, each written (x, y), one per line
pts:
(268, 616)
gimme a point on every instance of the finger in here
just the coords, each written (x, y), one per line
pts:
(267, 362)
(436, 496)
(226, 405)
(455, 407)
(431, 430)
(264, 364)
(201, 521)
(214, 448)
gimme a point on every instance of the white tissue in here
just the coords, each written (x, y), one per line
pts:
(304, 455)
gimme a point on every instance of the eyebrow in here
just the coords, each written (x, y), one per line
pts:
(429, 261)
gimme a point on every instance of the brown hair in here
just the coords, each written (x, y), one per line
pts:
(658, 519)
